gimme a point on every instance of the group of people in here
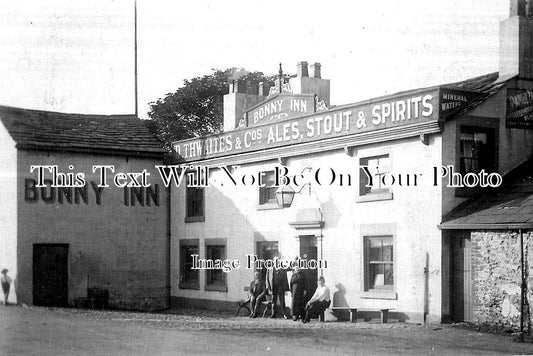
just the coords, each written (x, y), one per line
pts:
(276, 284)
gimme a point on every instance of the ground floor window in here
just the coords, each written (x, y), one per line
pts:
(379, 263)
(215, 279)
(188, 276)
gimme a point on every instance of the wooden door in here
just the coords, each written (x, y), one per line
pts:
(50, 274)
(461, 291)
(308, 250)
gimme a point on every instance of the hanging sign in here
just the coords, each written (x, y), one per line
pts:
(519, 109)
(281, 107)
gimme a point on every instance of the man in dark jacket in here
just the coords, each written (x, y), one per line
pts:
(277, 285)
(298, 286)
(257, 294)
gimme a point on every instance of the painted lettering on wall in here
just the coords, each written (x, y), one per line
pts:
(400, 110)
(281, 107)
(519, 109)
(90, 193)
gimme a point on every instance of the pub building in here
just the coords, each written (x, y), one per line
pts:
(400, 194)
(69, 241)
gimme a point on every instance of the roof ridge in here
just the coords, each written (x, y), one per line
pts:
(8, 107)
(47, 130)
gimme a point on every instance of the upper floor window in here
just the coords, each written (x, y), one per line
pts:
(476, 150)
(377, 167)
(194, 201)
(267, 193)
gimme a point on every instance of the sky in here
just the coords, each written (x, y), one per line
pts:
(78, 57)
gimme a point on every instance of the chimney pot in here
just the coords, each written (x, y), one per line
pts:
(517, 8)
(302, 69)
(239, 86)
(264, 88)
(315, 70)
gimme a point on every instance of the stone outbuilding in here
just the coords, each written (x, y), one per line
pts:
(74, 245)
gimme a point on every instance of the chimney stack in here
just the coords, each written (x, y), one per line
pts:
(237, 86)
(301, 69)
(516, 41)
(309, 81)
(315, 70)
(240, 98)
(517, 8)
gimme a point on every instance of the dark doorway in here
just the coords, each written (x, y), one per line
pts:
(266, 250)
(461, 283)
(308, 251)
(50, 274)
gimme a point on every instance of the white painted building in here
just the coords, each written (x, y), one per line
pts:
(382, 244)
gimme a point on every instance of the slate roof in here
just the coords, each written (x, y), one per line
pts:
(483, 83)
(509, 206)
(104, 134)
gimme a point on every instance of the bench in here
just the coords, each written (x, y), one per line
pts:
(353, 313)
(245, 303)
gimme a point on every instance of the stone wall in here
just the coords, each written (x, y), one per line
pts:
(496, 277)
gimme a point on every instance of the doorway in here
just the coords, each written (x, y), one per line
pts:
(308, 250)
(461, 283)
(266, 250)
(50, 274)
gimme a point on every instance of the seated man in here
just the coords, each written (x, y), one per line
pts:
(257, 294)
(319, 301)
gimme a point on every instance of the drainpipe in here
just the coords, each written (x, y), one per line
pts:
(169, 239)
(426, 289)
(522, 286)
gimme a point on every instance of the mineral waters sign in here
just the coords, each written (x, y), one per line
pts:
(415, 107)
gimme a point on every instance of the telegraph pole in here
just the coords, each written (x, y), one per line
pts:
(135, 50)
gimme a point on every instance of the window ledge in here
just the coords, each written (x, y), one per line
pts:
(374, 197)
(268, 206)
(189, 219)
(215, 288)
(189, 285)
(379, 294)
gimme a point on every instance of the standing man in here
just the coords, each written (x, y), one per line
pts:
(257, 294)
(298, 286)
(277, 285)
(6, 284)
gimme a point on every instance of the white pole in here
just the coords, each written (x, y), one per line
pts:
(135, 50)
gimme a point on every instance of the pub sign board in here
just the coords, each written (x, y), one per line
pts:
(407, 108)
(281, 107)
(519, 109)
